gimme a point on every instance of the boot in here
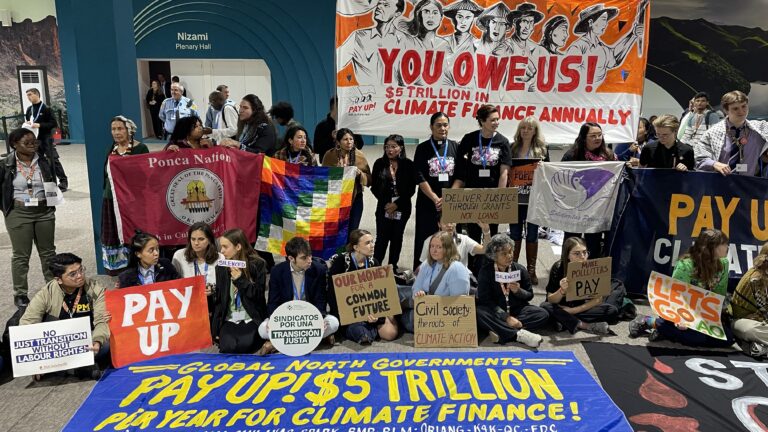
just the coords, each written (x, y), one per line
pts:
(516, 252)
(531, 252)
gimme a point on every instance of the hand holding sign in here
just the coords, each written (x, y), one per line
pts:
(366, 294)
(589, 279)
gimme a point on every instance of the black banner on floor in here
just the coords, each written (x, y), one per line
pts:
(665, 390)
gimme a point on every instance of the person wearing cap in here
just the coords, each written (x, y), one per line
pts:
(593, 21)
(463, 14)
(493, 22)
(555, 35)
(524, 18)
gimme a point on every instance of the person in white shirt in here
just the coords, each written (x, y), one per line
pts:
(221, 118)
(200, 256)
(464, 244)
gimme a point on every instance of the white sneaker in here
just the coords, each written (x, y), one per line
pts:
(493, 336)
(527, 338)
(598, 328)
(756, 349)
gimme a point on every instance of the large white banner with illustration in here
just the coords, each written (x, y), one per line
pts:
(565, 62)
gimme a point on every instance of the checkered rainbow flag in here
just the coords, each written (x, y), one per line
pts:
(311, 202)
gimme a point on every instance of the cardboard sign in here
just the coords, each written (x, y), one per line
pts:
(51, 346)
(444, 322)
(157, 320)
(681, 302)
(296, 328)
(521, 177)
(492, 206)
(366, 292)
(230, 263)
(589, 279)
(507, 277)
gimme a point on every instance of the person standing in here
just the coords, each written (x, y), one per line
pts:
(165, 86)
(295, 149)
(28, 218)
(697, 119)
(346, 155)
(220, 118)
(154, 100)
(667, 151)
(255, 131)
(175, 107)
(324, 138)
(40, 120)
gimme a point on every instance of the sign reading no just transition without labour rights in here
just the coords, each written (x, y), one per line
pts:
(407, 392)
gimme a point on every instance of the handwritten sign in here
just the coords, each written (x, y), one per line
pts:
(497, 205)
(157, 320)
(296, 328)
(51, 346)
(683, 303)
(521, 177)
(589, 279)
(366, 292)
(230, 263)
(444, 322)
(507, 277)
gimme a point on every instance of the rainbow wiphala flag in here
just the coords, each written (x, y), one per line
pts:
(310, 202)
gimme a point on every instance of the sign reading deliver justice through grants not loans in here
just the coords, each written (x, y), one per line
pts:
(366, 292)
(497, 205)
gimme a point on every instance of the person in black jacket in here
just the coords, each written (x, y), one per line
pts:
(667, 151)
(394, 183)
(154, 99)
(255, 131)
(145, 265)
(28, 218)
(240, 300)
(503, 308)
(40, 117)
(325, 132)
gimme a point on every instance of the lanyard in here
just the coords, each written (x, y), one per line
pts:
(292, 160)
(504, 289)
(299, 293)
(440, 161)
(32, 111)
(144, 280)
(74, 305)
(197, 269)
(482, 150)
(244, 136)
(28, 175)
(237, 299)
(354, 262)
(432, 275)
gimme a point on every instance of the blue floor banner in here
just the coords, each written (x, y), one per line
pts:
(665, 212)
(386, 392)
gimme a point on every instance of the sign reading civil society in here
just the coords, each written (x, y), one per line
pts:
(352, 392)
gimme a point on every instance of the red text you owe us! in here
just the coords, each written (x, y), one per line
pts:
(553, 73)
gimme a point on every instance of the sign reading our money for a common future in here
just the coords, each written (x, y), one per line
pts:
(157, 320)
(682, 303)
(51, 346)
(589, 279)
(444, 322)
(492, 206)
(370, 291)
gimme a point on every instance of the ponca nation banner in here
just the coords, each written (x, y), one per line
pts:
(407, 392)
(564, 62)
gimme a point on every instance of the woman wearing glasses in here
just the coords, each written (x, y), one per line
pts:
(71, 295)
(23, 176)
(592, 315)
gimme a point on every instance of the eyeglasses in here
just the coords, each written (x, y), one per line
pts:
(76, 273)
(584, 253)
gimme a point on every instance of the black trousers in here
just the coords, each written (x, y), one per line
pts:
(389, 232)
(490, 319)
(240, 338)
(47, 147)
(427, 219)
(608, 311)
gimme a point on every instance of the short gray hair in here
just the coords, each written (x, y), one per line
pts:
(497, 243)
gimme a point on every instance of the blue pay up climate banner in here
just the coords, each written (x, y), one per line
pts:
(408, 392)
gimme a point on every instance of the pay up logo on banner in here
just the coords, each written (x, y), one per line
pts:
(366, 292)
(157, 320)
(683, 303)
(51, 346)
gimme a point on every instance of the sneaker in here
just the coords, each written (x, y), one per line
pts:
(598, 328)
(529, 339)
(493, 336)
(654, 336)
(63, 187)
(266, 349)
(21, 301)
(638, 326)
(756, 349)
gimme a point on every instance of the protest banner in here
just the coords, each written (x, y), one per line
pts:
(521, 177)
(575, 196)
(157, 320)
(394, 70)
(661, 212)
(589, 279)
(374, 392)
(218, 186)
(682, 303)
(444, 322)
(492, 206)
(296, 328)
(370, 291)
(50, 346)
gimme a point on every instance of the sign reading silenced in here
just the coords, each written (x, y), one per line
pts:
(51, 346)
(159, 319)
(444, 322)
(370, 291)
(492, 206)
(682, 303)
(589, 279)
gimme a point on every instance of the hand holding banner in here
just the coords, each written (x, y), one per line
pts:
(683, 303)
(156, 320)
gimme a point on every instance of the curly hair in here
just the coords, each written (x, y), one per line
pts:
(706, 264)
(496, 244)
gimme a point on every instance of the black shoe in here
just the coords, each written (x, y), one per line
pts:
(63, 187)
(21, 301)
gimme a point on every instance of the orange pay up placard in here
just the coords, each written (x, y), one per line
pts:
(157, 320)
(682, 303)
